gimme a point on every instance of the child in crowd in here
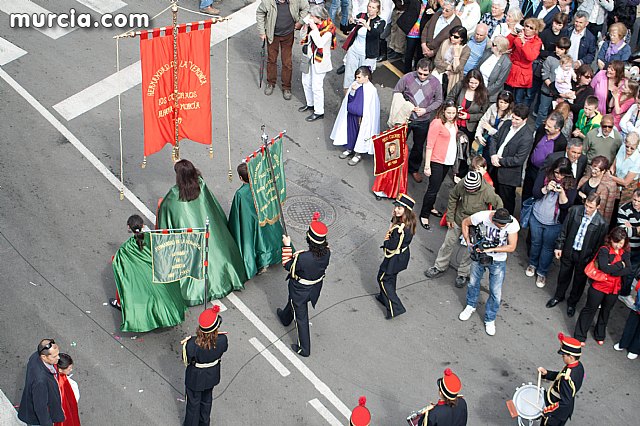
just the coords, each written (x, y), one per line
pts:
(69, 392)
(589, 118)
(564, 76)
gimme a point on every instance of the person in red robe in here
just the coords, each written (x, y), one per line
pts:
(68, 394)
(393, 182)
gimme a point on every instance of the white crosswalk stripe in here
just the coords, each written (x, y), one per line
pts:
(27, 6)
(131, 76)
(103, 6)
(9, 52)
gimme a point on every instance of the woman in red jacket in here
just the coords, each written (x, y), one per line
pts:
(525, 47)
(614, 260)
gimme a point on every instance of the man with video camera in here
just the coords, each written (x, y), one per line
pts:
(490, 235)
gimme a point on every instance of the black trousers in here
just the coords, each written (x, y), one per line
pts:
(198, 407)
(571, 266)
(508, 195)
(438, 173)
(388, 296)
(530, 175)
(419, 130)
(412, 51)
(298, 312)
(631, 335)
(595, 298)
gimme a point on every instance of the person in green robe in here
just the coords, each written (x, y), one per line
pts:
(145, 305)
(260, 246)
(188, 204)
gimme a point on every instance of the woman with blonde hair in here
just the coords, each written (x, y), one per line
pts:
(615, 49)
(495, 65)
(525, 47)
(514, 16)
(624, 96)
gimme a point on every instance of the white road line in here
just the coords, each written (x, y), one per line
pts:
(27, 6)
(248, 313)
(103, 6)
(288, 353)
(131, 76)
(324, 412)
(9, 52)
(284, 372)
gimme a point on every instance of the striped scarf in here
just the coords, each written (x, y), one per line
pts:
(324, 27)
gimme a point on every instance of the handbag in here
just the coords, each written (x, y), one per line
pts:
(537, 68)
(592, 271)
(525, 211)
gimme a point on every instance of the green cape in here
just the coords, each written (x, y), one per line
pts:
(226, 270)
(260, 246)
(145, 305)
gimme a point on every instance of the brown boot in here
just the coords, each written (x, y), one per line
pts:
(210, 10)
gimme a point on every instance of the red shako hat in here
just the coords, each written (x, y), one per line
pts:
(317, 230)
(449, 384)
(569, 346)
(209, 320)
(360, 416)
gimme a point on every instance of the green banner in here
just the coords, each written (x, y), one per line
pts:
(264, 194)
(176, 256)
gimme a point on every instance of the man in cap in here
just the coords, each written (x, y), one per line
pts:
(306, 273)
(499, 236)
(360, 416)
(451, 408)
(396, 254)
(41, 403)
(469, 196)
(202, 357)
(559, 398)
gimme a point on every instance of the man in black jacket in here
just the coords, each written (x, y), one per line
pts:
(582, 234)
(512, 146)
(574, 153)
(41, 403)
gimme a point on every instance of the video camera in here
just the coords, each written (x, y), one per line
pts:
(479, 241)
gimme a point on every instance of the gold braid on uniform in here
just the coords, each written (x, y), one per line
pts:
(287, 254)
(390, 253)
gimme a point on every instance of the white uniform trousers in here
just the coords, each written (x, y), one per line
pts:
(313, 84)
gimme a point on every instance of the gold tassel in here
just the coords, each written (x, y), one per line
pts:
(144, 162)
(230, 176)
(121, 194)
(211, 151)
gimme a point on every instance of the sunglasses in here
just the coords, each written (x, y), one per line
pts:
(47, 346)
(456, 36)
(605, 126)
(422, 73)
(530, 27)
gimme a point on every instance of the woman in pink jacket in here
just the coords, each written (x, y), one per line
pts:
(525, 47)
(441, 153)
(606, 82)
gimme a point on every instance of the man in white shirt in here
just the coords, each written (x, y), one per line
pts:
(583, 43)
(596, 9)
(499, 233)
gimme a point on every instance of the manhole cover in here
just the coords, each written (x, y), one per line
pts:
(298, 211)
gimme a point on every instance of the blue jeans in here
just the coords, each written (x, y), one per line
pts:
(543, 109)
(205, 3)
(334, 9)
(543, 240)
(496, 278)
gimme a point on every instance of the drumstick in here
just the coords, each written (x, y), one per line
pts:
(538, 393)
(531, 403)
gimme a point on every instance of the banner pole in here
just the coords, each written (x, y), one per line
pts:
(176, 148)
(206, 263)
(265, 143)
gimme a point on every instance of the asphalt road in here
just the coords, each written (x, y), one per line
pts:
(61, 221)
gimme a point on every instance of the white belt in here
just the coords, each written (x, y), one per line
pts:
(207, 365)
(309, 282)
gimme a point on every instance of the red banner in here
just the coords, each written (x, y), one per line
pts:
(389, 147)
(194, 86)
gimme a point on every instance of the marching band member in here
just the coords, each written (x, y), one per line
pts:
(202, 357)
(451, 408)
(396, 254)
(559, 398)
(306, 273)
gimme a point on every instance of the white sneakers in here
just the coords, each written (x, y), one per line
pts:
(541, 281)
(466, 314)
(630, 355)
(627, 300)
(530, 271)
(490, 328)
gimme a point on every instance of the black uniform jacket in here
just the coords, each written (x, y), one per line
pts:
(446, 415)
(40, 404)
(396, 250)
(306, 274)
(560, 396)
(593, 238)
(199, 379)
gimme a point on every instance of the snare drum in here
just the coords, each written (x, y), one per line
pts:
(529, 402)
